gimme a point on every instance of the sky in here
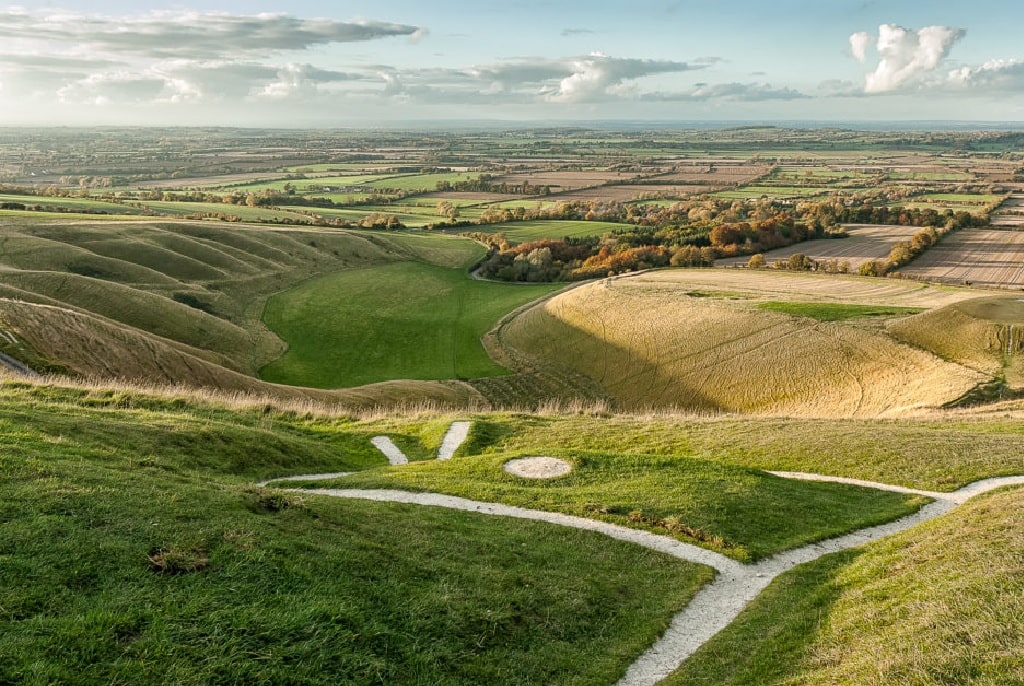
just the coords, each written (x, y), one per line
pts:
(377, 64)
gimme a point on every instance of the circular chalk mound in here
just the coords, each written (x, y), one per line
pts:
(538, 467)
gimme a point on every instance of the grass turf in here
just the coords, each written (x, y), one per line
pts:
(401, 321)
(831, 312)
(938, 454)
(940, 604)
(133, 552)
(740, 512)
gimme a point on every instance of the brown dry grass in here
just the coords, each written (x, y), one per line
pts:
(698, 352)
(799, 287)
(985, 333)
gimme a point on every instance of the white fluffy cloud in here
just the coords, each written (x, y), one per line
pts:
(905, 55)
(859, 43)
(598, 76)
(994, 75)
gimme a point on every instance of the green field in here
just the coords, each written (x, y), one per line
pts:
(401, 321)
(72, 204)
(772, 192)
(524, 232)
(244, 213)
(313, 186)
(832, 312)
(358, 214)
(422, 182)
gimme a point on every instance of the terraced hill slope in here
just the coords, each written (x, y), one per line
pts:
(182, 302)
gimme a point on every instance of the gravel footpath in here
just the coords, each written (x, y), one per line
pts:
(716, 605)
(456, 436)
(390, 450)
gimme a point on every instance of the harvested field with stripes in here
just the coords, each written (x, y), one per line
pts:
(980, 257)
(866, 242)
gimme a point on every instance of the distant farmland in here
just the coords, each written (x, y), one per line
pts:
(982, 257)
(866, 242)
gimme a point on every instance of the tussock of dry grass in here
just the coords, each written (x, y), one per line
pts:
(362, 404)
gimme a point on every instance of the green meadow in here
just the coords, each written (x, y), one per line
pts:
(399, 321)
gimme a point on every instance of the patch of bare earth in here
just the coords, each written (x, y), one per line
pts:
(539, 467)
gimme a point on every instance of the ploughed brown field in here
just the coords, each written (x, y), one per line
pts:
(980, 257)
(1011, 213)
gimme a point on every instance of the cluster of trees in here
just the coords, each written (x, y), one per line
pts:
(700, 242)
(903, 252)
(485, 183)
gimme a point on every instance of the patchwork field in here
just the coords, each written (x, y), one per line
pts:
(983, 257)
(524, 232)
(864, 244)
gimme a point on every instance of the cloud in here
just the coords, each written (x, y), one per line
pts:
(905, 55)
(994, 75)
(112, 87)
(731, 92)
(577, 32)
(194, 35)
(56, 62)
(303, 80)
(859, 43)
(598, 76)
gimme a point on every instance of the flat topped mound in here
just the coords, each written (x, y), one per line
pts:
(985, 333)
(538, 467)
(997, 309)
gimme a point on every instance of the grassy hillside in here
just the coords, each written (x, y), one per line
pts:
(136, 547)
(182, 302)
(735, 348)
(985, 333)
(134, 550)
(405, 320)
(747, 514)
(940, 604)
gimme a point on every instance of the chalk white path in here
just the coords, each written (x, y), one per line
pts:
(306, 477)
(716, 605)
(453, 439)
(456, 436)
(390, 450)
